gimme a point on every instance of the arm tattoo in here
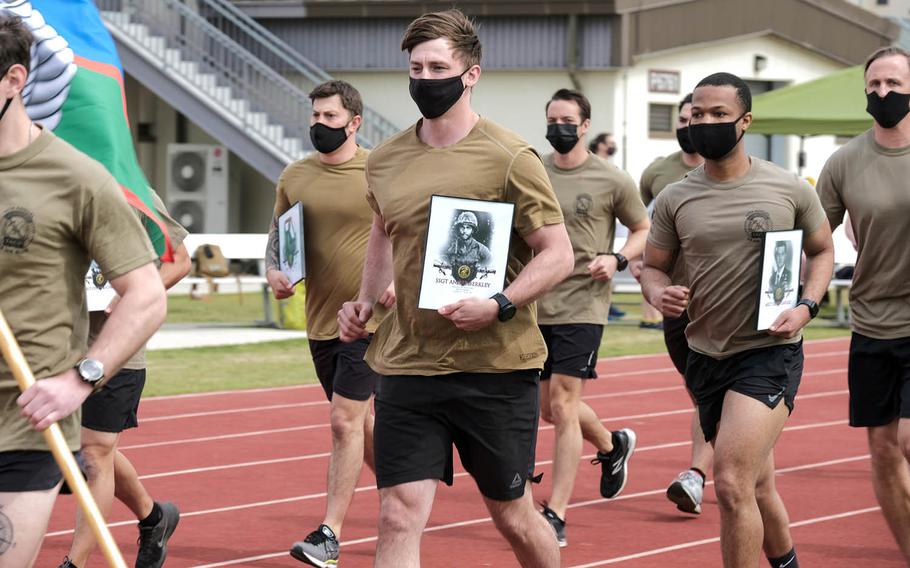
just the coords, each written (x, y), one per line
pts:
(271, 249)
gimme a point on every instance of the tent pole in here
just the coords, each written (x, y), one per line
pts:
(801, 157)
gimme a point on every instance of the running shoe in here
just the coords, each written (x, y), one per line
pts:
(153, 540)
(67, 563)
(615, 465)
(559, 525)
(686, 491)
(319, 548)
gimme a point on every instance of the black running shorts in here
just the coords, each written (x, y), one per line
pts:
(879, 377)
(572, 349)
(341, 368)
(29, 470)
(767, 374)
(490, 418)
(113, 407)
(675, 339)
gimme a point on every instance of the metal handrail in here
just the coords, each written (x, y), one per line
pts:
(375, 127)
(243, 56)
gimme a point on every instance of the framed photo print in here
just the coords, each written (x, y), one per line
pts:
(291, 257)
(98, 290)
(779, 283)
(467, 250)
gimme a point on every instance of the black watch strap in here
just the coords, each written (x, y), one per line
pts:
(813, 307)
(506, 308)
(621, 261)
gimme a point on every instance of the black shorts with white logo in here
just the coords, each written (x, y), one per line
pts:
(30, 470)
(114, 406)
(572, 349)
(879, 377)
(341, 368)
(676, 342)
(767, 374)
(490, 418)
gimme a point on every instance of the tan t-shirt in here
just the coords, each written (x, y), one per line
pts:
(58, 210)
(176, 233)
(719, 227)
(490, 163)
(592, 196)
(871, 183)
(661, 173)
(336, 224)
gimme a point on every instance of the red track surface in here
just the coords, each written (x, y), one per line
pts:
(248, 472)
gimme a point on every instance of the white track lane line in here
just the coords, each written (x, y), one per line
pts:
(662, 490)
(694, 543)
(361, 489)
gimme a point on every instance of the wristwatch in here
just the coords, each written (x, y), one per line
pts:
(813, 307)
(91, 371)
(506, 308)
(621, 261)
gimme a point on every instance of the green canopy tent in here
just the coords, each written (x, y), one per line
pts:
(834, 105)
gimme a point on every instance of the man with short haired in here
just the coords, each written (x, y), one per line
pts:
(593, 195)
(603, 145)
(688, 488)
(867, 178)
(468, 373)
(331, 186)
(744, 381)
(59, 209)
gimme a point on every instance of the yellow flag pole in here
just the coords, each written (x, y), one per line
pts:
(57, 443)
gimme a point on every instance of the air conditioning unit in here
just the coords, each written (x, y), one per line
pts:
(197, 187)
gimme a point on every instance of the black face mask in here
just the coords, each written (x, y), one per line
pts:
(715, 141)
(682, 136)
(434, 97)
(611, 150)
(563, 137)
(890, 110)
(327, 139)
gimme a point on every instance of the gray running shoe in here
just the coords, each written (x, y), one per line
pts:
(614, 467)
(559, 525)
(153, 540)
(686, 491)
(319, 548)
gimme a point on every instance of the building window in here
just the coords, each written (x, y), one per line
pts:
(882, 2)
(660, 120)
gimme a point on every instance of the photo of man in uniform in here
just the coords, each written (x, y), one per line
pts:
(781, 275)
(465, 254)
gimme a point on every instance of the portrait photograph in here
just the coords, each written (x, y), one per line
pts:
(779, 282)
(467, 250)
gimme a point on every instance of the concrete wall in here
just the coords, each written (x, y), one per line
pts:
(252, 196)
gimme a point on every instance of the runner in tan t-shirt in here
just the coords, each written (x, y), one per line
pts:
(112, 409)
(58, 210)
(331, 186)
(456, 375)
(868, 177)
(717, 217)
(688, 487)
(593, 195)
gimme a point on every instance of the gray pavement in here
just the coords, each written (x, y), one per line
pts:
(184, 336)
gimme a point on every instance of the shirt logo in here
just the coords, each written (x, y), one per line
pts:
(757, 223)
(17, 230)
(583, 205)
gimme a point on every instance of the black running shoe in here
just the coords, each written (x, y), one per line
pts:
(319, 548)
(559, 525)
(67, 563)
(615, 465)
(153, 540)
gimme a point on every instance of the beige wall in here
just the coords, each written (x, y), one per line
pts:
(252, 195)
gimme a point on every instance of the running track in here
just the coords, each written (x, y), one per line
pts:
(248, 470)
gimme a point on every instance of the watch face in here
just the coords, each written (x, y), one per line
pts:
(91, 370)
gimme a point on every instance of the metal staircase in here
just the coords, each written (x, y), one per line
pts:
(237, 81)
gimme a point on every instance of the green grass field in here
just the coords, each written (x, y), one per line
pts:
(178, 371)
